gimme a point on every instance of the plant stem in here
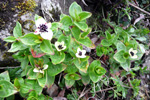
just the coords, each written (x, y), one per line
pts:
(9, 67)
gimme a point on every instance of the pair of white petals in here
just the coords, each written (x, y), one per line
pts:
(39, 70)
(60, 46)
(47, 34)
(80, 53)
(132, 53)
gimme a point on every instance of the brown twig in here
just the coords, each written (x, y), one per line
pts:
(142, 10)
(83, 93)
(106, 89)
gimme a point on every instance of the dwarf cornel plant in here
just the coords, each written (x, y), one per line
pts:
(42, 58)
(57, 47)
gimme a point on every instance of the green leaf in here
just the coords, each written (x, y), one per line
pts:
(50, 80)
(46, 47)
(31, 74)
(55, 25)
(71, 68)
(42, 81)
(1, 98)
(72, 76)
(82, 66)
(66, 22)
(31, 59)
(87, 42)
(81, 25)
(69, 83)
(33, 93)
(84, 34)
(119, 56)
(100, 50)
(10, 39)
(135, 84)
(42, 97)
(142, 49)
(12, 97)
(92, 71)
(73, 47)
(126, 65)
(76, 32)
(6, 89)
(27, 68)
(141, 39)
(120, 46)
(58, 57)
(84, 15)
(16, 83)
(108, 35)
(24, 63)
(4, 76)
(30, 85)
(30, 39)
(17, 46)
(53, 70)
(85, 79)
(74, 10)
(106, 43)
(118, 30)
(32, 96)
(125, 35)
(17, 32)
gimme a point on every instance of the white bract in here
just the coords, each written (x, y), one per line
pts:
(40, 69)
(43, 28)
(80, 53)
(132, 53)
(60, 46)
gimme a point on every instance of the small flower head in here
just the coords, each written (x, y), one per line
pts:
(80, 53)
(60, 46)
(132, 53)
(43, 29)
(40, 69)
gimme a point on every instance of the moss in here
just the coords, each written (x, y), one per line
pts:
(2, 23)
(26, 6)
(3, 6)
(31, 25)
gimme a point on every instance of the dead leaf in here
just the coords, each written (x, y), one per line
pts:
(61, 93)
(59, 98)
(138, 19)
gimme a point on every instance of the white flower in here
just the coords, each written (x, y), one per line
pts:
(43, 29)
(40, 69)
(80, 53)
(132, 53)
(60, 46)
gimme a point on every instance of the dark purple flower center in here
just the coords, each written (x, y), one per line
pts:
(80, 53)
(60, 47)
(43, 28)
(41, 68)
(132, 53)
